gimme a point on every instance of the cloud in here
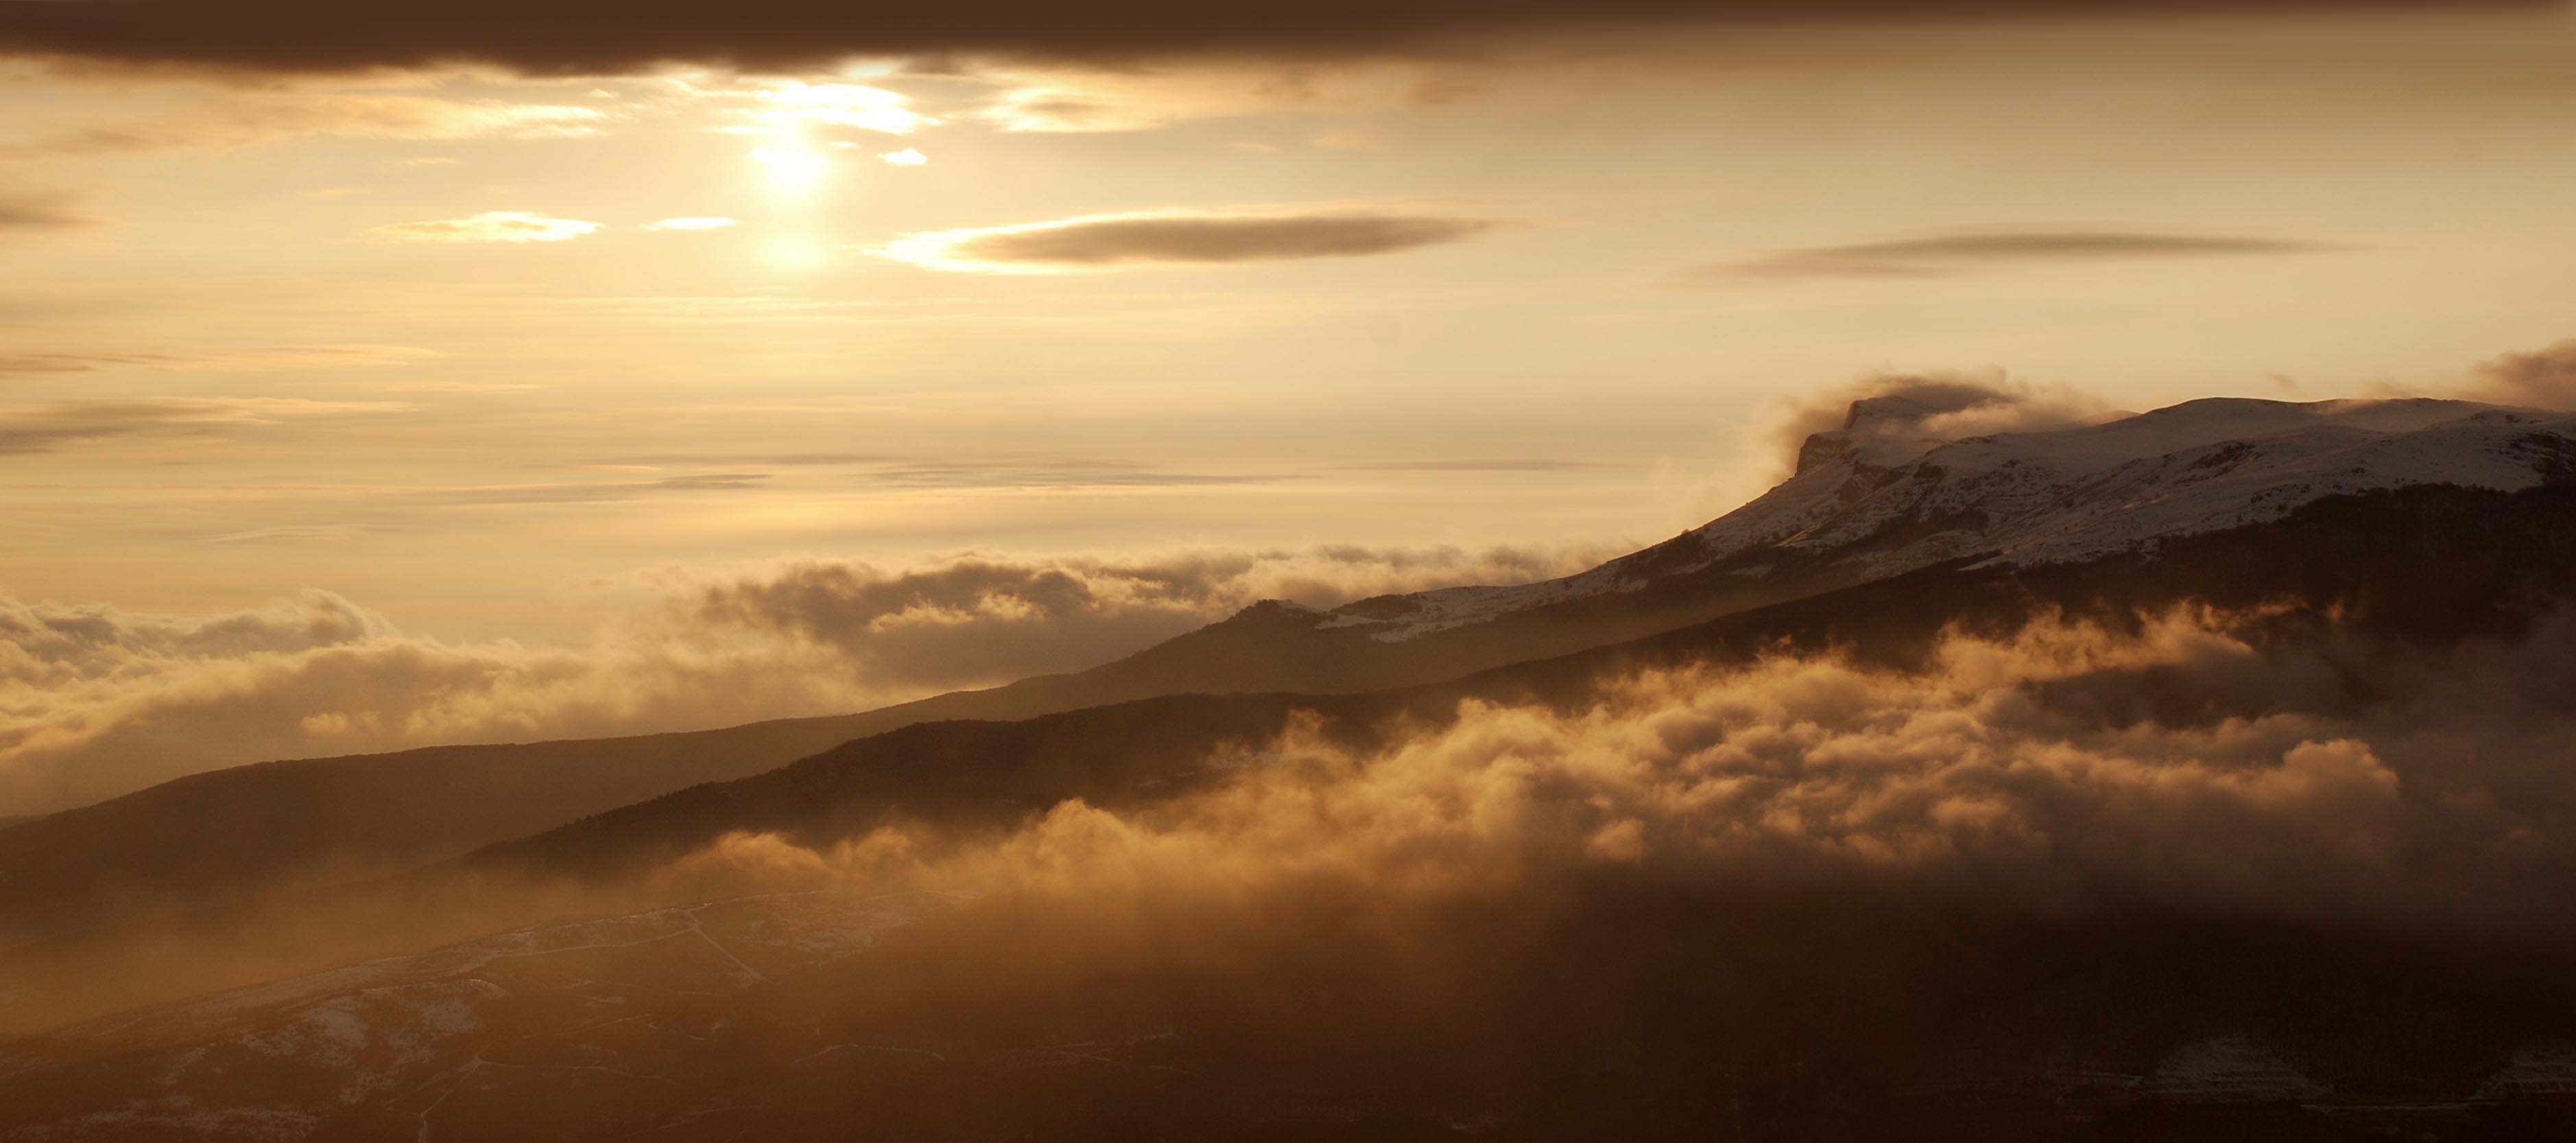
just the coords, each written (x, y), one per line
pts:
(99, 701)
(1048, 472)
(2016, 772)
(1495, 464)
(216, 117)
(220, 360)
(906, 157)
(1971, 251)
(28, 212)
(455, 387)
(694, 223)
(1905, 412)
(1670, 876)
(2544, 377)
(980, 620)
(1180, 237)
(1054, 98)
(1010, 470)
(48, 428)
(96, 701)
(489, 226)
(844, 105)
(596, 37)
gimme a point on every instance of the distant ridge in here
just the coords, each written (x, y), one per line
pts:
(1879, 498)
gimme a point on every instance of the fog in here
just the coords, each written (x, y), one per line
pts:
(2213, 767)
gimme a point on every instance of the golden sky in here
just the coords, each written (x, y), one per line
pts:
(504, 350)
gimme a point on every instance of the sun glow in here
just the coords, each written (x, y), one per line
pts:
(793, 252)
(792, 168)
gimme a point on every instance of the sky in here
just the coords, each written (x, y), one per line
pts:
(515, 336)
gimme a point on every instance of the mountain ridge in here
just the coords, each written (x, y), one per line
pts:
(1883, 496)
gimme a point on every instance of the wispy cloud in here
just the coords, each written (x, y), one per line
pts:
(218, 360)
(27, 212)
(844, 105)
(1007, 471)
(1039, 472)
(1182, 237)
(906, 157)
(594, 492)
(47, 428)
(1991, 249)
(1494, 464)
(692, 223)
(489, 226)
(221, 118)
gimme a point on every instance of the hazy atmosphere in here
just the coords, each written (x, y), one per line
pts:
(1566, 473)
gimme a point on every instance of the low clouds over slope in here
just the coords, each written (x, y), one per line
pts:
(2066, 768)
(2544, 377)
(1929, 407)
(96, 701)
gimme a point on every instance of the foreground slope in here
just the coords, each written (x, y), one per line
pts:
(824, 1015)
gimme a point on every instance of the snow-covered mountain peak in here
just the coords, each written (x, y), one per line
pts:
(1901, 487)
(2080, 492)
(1895, 427)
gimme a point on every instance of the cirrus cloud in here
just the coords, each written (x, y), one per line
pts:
(195, 116)
(700, 223)
(1986, 249)
(489, 226)
(218, 360)
(50, 427)
(24, 212)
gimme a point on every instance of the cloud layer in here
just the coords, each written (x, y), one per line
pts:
(1987, 250)
(1111, 240)
(96, 701)
(50, 427)
(222, 117)
(2186, 765)
(219, 360)
(489, 226)
(592, 36)
(29, 212)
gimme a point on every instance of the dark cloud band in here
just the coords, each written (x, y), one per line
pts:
(23, 212)
(598, 36)
(1119, 240)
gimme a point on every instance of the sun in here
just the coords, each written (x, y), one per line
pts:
(792, 168)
